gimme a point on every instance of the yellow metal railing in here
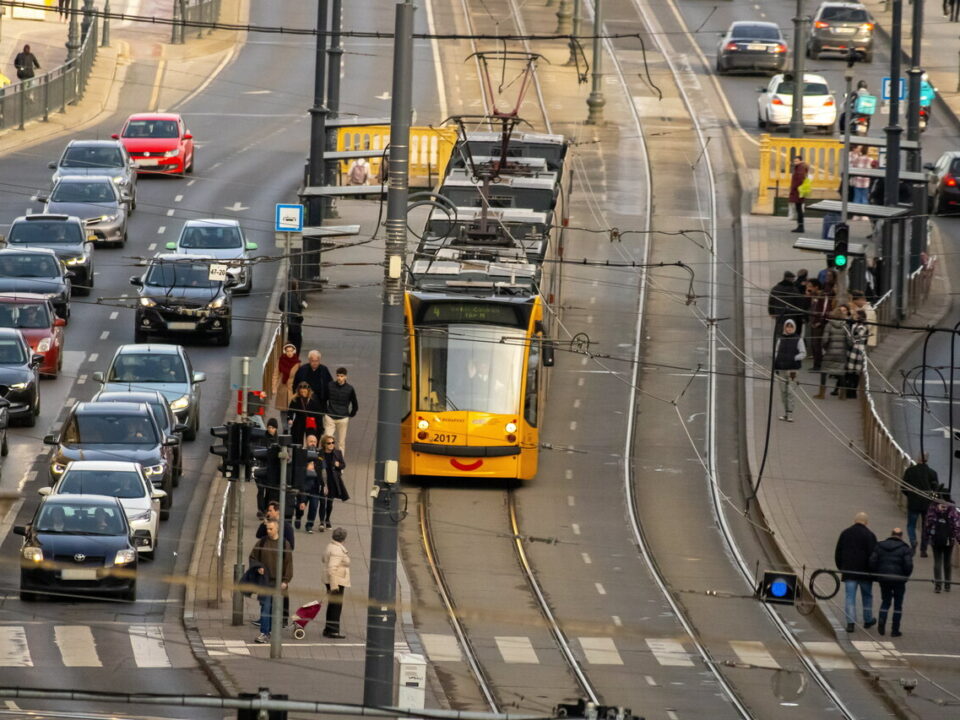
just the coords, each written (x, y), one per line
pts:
(430, 149)
(824, 156)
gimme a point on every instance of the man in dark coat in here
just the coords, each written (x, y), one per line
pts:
(892, 561)
(316, 375)
(852, 557)
(292, 305)
(920, 482)
(785, 302)
(26, 62)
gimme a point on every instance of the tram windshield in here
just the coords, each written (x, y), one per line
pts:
(469, 367)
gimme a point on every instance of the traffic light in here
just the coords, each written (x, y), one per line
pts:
(230, 434)
(256, 402)
(251, 714)
(840, 257)
(779, 588)
(585, 709)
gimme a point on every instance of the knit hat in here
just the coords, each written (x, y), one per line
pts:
(272, 422)
(789, 323)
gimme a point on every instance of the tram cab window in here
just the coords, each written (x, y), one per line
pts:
(533, 380)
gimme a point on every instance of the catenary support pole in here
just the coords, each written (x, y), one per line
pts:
(799, 52)
(891, 182)
(73, 31)
(334, 63)
(918, 223)
(381, 609)
(318, 120)
(237, 491)
(596, 100)
(575, 32)
(276, 620)
(105, 37)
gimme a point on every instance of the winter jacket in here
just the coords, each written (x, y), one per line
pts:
(935, 517)
(789, 352)
(265, 553)
(856, 348)
(306, 414)
(797, 176)
(835, 340)
(892, 557)
(873, 338)
(26, 63)
(336, 566)
(319, 380)
(785, 299)
(923, 478)
(288, 533)
(341, 400)
(335, 465)
(854, 547)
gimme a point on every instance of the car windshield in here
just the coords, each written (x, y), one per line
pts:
(809, 88)
(754, 32)
(151, 129)
(45, 231)
(75, 192)
(210, 237)
(29, 266)
(181, 274)
(844, 14)
(11, 352)
(469, 367)
(92, 157)
(34, 316)
(110, 429)
(79, 519)
(147, 367)
(116, 483)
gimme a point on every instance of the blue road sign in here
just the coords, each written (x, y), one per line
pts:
(289, 218)
(885, 93)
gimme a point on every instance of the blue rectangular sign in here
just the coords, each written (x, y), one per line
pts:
(885, 93)
(289, 218)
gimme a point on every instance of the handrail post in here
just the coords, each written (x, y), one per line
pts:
(105, 39)
(764, 185)
(46, 97)
(23, 103)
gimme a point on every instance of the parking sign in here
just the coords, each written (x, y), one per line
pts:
(886, 87)
(289, 218)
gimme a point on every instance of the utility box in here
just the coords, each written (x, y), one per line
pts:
(411, 674)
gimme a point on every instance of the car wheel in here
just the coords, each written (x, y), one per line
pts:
(4, 449)
(937, 205)
(191, 432)
(761, 123)
(123, 240)
(223, 338)
(130, 595)
(31, 419)
(28, 595)
(190, 166)
(719, 67)
(164, 513)
(139, 336)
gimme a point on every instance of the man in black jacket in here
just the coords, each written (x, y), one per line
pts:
(785, 302)
(892, 561)
(316, 375)
(26, 62)
(852, 557)
(341, 406)
(920, 482)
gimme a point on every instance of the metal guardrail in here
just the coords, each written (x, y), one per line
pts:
(52, 91)
(201, 11)
(823, 155)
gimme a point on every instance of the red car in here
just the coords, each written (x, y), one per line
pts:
(158, 143)
(34, 317)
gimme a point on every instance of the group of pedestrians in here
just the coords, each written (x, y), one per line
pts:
(930, 503)
(810, 321)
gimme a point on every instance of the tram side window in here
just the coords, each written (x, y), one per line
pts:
(406, 385)
(533, 380)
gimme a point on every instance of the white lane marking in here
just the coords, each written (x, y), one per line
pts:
(222, 647)
(584, 360)
(170, 212)
(600, 651)
(575, 527)
(13, 647)
(754, 653)
(879, 653)
(161, 230)
(576, 404)
(568, 474)
(82, 379)
(148, 648)
(587, 560)
(105, 334)
(190, 184)
(589, 319)
(671, 715)
(580, 382)
(77, 647)
(829, 655)
(441, 648)
(179, 198)
(573, 426)
(571, 501)
(93, 357)
(650, 681)
(517, 650)
(593, 301)
(669, 653)
(617, 621)
(113, 316)
(601, 590)
(216, 165)
(151, 247)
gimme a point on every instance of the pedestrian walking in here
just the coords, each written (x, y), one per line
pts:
(272, 514)
(26, 62)
(264, 554)
(341, 406)
(304, 415)
(817, 317)
(287, 367)
(834, 360)
(942, 531)
(856, 354)
(63, 9)
(311, 489)
(291, 306)
(861, 185)
(268, 438)
(852, 557)
(784, 302)
(359, 172)
(920, 483)
(316, 375)
(334, 487)
(787, 356)
(892, 561)
(336, 576)
(858, 301)
(799, 173)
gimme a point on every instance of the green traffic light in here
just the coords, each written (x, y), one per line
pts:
(840, 261)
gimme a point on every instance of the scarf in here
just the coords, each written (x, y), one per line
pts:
(287, 364)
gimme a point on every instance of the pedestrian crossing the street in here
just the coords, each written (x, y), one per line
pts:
(86, 646)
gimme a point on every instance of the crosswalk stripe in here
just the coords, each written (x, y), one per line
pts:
(516, 649)
(13, 647)
(441, 648)
(669, 652)
(600, 651)
(77, 647)
(754, 653)
(829, 656)
(148, 647)
(880, 654)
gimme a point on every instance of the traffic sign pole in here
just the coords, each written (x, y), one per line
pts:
(237, 618)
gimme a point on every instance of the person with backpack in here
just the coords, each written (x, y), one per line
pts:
(942, 528)
(919, 483)
(799, 189)
(787, 355)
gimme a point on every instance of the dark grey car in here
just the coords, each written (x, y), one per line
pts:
(840, 27)
(63, 234)
(96, 200)
(98, 157)
(752, 46)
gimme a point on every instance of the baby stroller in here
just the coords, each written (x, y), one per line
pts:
(302, 617)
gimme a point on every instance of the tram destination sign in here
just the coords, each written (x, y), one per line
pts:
(471, 312)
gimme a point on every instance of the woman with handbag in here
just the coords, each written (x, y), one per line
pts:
(799, 188)
(304, 414)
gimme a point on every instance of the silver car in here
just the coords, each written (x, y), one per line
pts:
(98, 157)
(220, 239)
(96, 200)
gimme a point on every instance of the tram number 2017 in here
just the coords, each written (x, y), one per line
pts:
(444, 438)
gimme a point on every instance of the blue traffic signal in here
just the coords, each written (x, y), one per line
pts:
(779, 587)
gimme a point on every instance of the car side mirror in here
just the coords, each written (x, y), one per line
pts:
(188, 135)
(126, 197)
(69, 274)
(199, 377)
(50, 439)
(136, 281)
(36, 359)
(180, 428)
(44, 491)
(115, 136)
(252, 246)
(19, 529)
(41, 197)
(59, 321)
(52, 165)
(98, 377)
(761, 89)
(171, 441)
(929, 166)
(171, 246)
(155, 495)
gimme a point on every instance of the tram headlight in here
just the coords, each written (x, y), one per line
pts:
(511, 427)
(423, 425)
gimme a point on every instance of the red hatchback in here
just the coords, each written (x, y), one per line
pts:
(158, 143)
(34, 317)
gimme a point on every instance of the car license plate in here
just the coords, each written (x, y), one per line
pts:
(147, 162)
(756, 46)
(844, 30)
(79, 574)
(181, 325)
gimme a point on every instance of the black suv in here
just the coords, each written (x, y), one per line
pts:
(65, 235)
(19, 378)
(183, 294)
(36, 270)
(116, 431)
(841, 26)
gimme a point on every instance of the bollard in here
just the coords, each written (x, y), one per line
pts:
(201, 6)
(46, 97)
(105, 40)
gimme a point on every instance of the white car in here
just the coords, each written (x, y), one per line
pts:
(122, 480)
(223, 240)
(775, 104)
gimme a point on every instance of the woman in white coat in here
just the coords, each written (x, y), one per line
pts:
(336, 576)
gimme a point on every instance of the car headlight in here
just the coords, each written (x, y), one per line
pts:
(75, 260)
(125, 556)
(119, 180)
(511, 427)
(423, 425)
(58, 469)
(106, 218)
(147, 302)
(154, 469)
(20, 386)
(172, 153)
(218, 303)
(181, 403)
(44, 345)
(141, 517)
(33, 554)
